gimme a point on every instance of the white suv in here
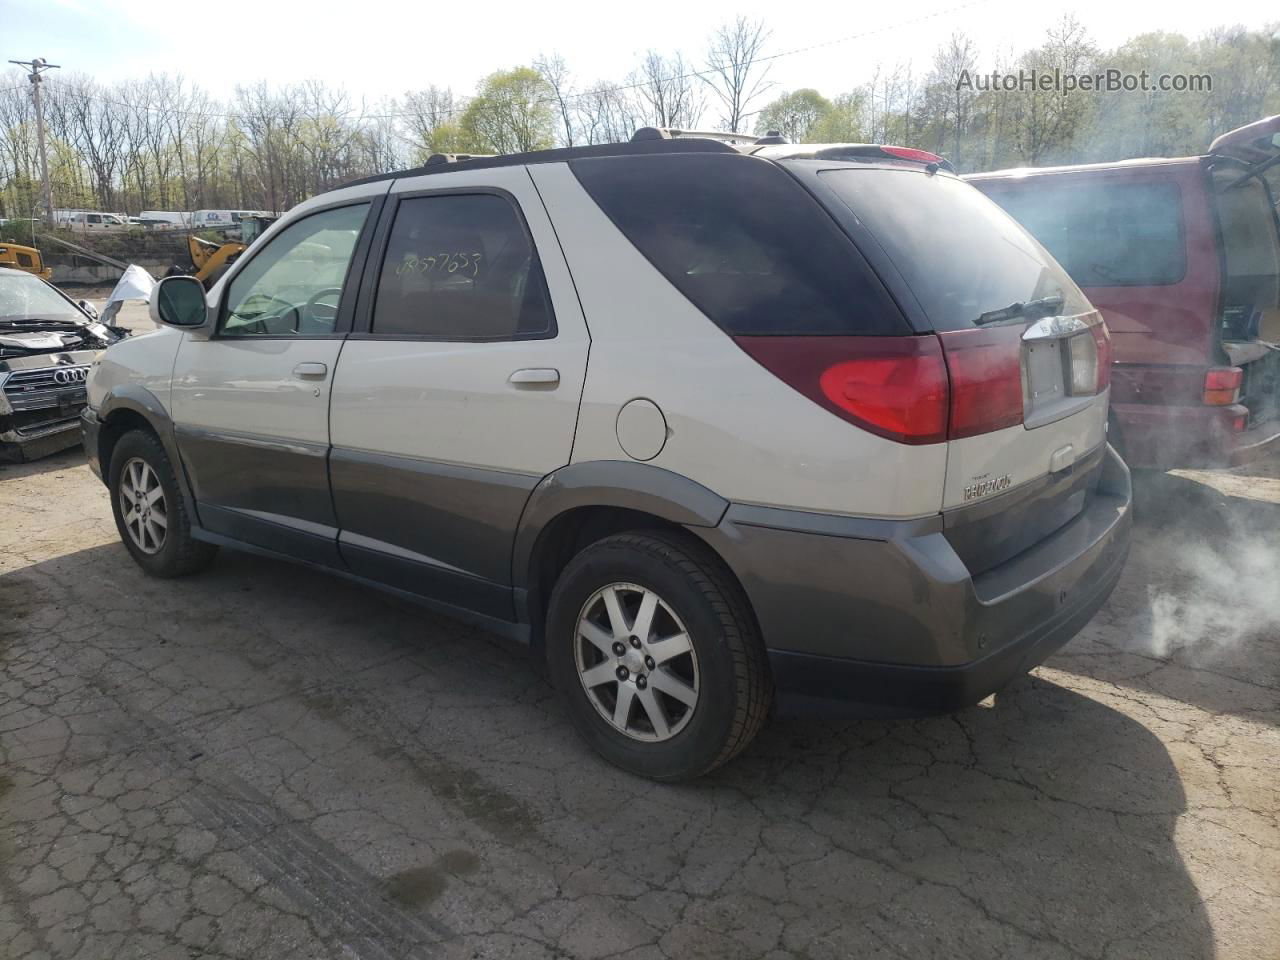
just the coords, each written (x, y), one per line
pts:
(703, 423)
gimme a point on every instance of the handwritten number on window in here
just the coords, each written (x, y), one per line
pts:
(467, 263)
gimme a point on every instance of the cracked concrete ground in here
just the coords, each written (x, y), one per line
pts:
(263, 761)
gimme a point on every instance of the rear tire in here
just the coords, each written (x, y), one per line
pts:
(669, 712)
(149, 510)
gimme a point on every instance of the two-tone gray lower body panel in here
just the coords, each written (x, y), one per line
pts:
(887, 613)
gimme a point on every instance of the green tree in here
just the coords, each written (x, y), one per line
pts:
(513, 111)
(844, 121)
(794, 115)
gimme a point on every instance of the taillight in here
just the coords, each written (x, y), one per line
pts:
(1222, 386)
(1102, 339)
(895, 387)
(986, 379)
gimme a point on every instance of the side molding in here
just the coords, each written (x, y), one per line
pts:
(611, 483)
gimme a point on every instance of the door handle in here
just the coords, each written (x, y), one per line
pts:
(535, 376)
(310, 371)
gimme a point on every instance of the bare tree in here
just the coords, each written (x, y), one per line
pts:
(606, 114)
(556, 73)
(671, 91)
(426, 112)
(950, 102)
(737, 74)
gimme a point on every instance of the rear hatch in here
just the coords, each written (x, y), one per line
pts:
(1249, 321)
(1027, 357)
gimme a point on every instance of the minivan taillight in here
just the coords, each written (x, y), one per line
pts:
(985, 366)
(1222, 386)
(915, 390)
(895, 387)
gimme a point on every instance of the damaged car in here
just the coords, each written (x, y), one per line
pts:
(47, 343)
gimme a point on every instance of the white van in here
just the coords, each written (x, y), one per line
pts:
(87, 220)
(224, 219)
(178, 218)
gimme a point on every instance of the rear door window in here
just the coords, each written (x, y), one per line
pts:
(1106, 234)
(957, 251)
(745, 243)
(461, 267)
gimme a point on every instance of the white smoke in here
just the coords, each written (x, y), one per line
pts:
(1222, 591)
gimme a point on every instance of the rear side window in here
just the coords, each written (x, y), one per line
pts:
(461, 267)
(743, 242)
(1105, 234)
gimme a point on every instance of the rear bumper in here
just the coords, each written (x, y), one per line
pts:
(1167, 437)
(885, 613)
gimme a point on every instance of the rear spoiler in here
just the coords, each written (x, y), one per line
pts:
(1256, 145)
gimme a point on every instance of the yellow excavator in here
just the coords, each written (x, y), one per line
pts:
(210, 259)
(24, 258)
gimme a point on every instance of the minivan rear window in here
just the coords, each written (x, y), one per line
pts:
(1105, 234)
(1250, 250)
(959, 253)
(744, 242)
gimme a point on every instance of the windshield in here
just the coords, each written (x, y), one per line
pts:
(962, 256)
(27, 297)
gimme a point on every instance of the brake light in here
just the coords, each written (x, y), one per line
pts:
(1222, 386)
(895, 387)
(985, 367)
(911, 153)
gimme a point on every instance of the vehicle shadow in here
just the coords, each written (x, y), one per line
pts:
(1042, 825)
(1195, 616)
(62, 460)
(1045, 812)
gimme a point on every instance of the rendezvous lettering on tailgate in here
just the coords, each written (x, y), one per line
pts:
(984, 486)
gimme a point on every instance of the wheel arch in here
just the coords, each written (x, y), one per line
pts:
(129, 407)
(584, 502)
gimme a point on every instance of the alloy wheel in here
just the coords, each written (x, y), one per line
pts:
(143, 506)
(636, 662)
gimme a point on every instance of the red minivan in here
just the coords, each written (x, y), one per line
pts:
(1182, 256)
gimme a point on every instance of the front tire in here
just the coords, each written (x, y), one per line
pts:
(656, 652)
(149, 510)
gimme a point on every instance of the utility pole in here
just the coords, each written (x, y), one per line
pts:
(37, 67)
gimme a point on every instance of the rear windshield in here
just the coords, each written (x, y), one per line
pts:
(1105, 234)
(960, 254)
(744, 242)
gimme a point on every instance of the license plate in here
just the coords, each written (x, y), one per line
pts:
(1044, 373)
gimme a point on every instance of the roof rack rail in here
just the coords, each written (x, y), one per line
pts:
(671, 133)
(448, 163)
(436, 158)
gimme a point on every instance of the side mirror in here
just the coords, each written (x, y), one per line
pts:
(90, 310)
(179, 302)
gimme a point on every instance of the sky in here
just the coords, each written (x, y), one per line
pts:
(381, 48)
